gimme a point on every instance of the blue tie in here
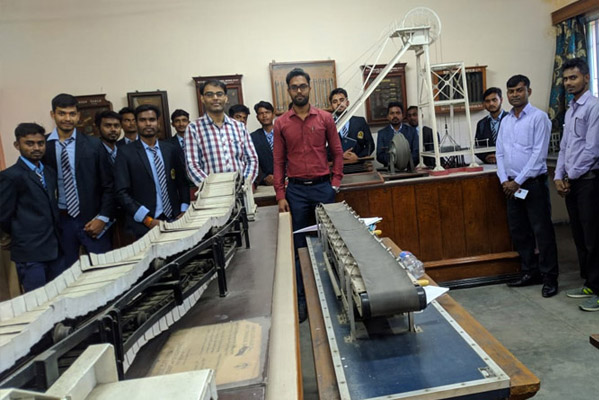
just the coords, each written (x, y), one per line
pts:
(166, 204)
(270, 139)
(40, 174)
(344, 130)
(68, 181)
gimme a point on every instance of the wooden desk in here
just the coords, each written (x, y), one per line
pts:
(523, 383)
(456, 224)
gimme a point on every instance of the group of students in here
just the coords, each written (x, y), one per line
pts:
(67, 189)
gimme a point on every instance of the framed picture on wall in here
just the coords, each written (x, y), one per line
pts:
(392, 88)
(323, 79)
(159, 99)
(234, 90)
(88, 106)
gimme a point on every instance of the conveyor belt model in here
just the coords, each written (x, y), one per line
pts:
(366, 275)
(438, 361)
(127, 296)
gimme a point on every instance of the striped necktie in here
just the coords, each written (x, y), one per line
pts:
(166, 204)
(40, 174)
(68, 180)
(270, 139)
(113, 155)
(344, 130)
(494, 127)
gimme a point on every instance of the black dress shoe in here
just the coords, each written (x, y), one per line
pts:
(549, 289)
(526, 280)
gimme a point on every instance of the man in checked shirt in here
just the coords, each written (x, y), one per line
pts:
(216, 143)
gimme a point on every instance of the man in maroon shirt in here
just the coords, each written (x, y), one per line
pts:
(301, 136)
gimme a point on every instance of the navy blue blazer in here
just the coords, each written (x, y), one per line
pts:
(484, 134)
(174, 140)
(134, 182)
(121, 142)
(93, 173)
(29, 212)
(264, 155)
(384, 137)
(360, 131)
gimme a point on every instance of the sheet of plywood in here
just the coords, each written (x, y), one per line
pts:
(234, 349)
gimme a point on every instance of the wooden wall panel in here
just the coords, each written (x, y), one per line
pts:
(406, 222)
(497, 217)
(451, 208)
(457, 225)
(358, 200)
(429, 222)
(476, 198)
(380, 202)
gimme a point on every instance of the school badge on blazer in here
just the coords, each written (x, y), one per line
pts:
(361, 135)
(173, 174)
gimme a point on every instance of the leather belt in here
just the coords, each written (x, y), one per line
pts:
(540, 178)
(310, 182)
(588, 175)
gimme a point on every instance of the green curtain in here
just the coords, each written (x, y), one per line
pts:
(570, 42)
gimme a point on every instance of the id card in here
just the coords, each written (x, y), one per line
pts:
(521, 194)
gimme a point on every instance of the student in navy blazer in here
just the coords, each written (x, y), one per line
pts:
(128, 125)
(138, 183)
(29, 212)
(484, 134)
(385, 135)
(179, 121)
(83, 225)
(357, 127)
(265, 113)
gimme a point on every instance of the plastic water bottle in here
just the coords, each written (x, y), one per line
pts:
(413, 265)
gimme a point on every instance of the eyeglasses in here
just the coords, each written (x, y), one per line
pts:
(212, 94)
(302, 87)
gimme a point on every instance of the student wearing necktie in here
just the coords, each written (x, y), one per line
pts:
(179, 121)
(29, 212)
(109, 126)
(263, 139)
(356, 128)
(487, 128)
(85, 187)
(151, 183)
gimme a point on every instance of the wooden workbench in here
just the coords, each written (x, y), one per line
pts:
(523, 383)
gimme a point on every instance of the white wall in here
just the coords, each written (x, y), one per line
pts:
(114, 47)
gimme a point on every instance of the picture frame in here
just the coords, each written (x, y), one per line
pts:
(88, 106)
(476, 81)
(392, 88)
(234, 90)
(156, 98)
(323, 79)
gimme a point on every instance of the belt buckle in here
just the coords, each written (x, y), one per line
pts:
(307, 182)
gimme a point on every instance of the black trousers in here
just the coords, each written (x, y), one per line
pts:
(530, 223)
(303, 200)
(583, 210)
